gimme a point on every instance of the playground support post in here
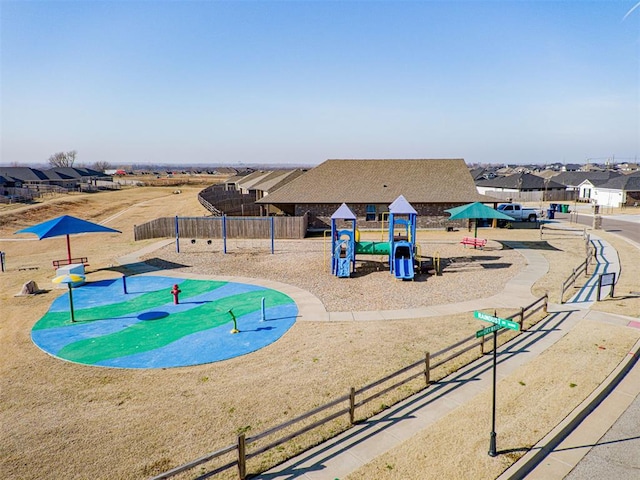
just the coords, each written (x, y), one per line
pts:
(2, 261)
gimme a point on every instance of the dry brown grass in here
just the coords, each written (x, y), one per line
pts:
(530, 403)
(63, 420)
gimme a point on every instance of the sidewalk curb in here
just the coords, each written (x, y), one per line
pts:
(546, 446)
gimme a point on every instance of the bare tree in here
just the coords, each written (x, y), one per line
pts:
(63, 159)
(101, 166)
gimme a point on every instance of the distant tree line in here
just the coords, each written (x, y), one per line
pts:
(67, 159)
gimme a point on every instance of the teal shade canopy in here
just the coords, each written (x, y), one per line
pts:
(475, 210)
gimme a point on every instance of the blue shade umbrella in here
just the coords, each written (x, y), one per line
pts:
(66, 225)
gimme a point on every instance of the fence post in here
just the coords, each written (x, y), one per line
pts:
(177, 236)
(521, 319)
(224, 234)
(352, 405)
(2, 260)
(562, 294)
(242, 458)
(586, 266)
(427, 369)
(271, 223)
(546, 303)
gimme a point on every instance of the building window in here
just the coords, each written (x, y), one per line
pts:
(371, 213)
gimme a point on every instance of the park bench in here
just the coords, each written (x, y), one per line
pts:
(59, 263)
(475, 242)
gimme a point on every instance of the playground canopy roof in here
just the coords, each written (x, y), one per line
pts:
(400, 206)
(343, 213)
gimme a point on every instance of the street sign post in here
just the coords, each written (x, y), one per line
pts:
(498, 323)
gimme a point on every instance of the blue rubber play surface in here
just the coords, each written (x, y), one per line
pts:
(143, 328)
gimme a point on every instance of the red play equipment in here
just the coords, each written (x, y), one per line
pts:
(175, 291)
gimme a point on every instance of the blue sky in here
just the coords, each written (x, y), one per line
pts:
(196, 82)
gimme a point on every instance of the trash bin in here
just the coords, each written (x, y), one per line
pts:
(550, 214)
(565, 208)
(552, 206)
(558, 207)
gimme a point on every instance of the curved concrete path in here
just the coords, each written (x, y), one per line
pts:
(516, 293)
(359, 445)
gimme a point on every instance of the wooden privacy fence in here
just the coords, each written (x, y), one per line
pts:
(347, 404)
(218, 227)
(534, 196)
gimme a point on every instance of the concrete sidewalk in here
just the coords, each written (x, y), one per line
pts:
(364, 442)
(359, 445)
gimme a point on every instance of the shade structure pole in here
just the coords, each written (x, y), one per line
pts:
(68, 249)
(475, 231)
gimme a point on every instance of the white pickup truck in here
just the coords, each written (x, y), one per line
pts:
(518, 212)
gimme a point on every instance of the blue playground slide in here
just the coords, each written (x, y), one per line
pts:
(343, 267)
(342, 259)
(403, 260)
(403, 268)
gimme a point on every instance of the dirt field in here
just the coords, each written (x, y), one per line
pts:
(62, 420)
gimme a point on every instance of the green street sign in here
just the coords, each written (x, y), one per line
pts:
(502, 322)
(487, 331)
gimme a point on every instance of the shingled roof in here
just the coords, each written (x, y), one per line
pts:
(629, 183)
(521, 181)
(381, 181)
(24, 174)
(572, 179)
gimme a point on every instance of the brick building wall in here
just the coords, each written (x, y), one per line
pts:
(430, 215)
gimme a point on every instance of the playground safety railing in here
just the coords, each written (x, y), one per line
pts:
(422, 368)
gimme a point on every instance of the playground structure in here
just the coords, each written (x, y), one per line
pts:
(400, 248)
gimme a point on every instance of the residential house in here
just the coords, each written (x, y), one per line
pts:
(24, 176)
(620, 191)
(368, 187)
(583, 183)
(522, 187)
(237, 196)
